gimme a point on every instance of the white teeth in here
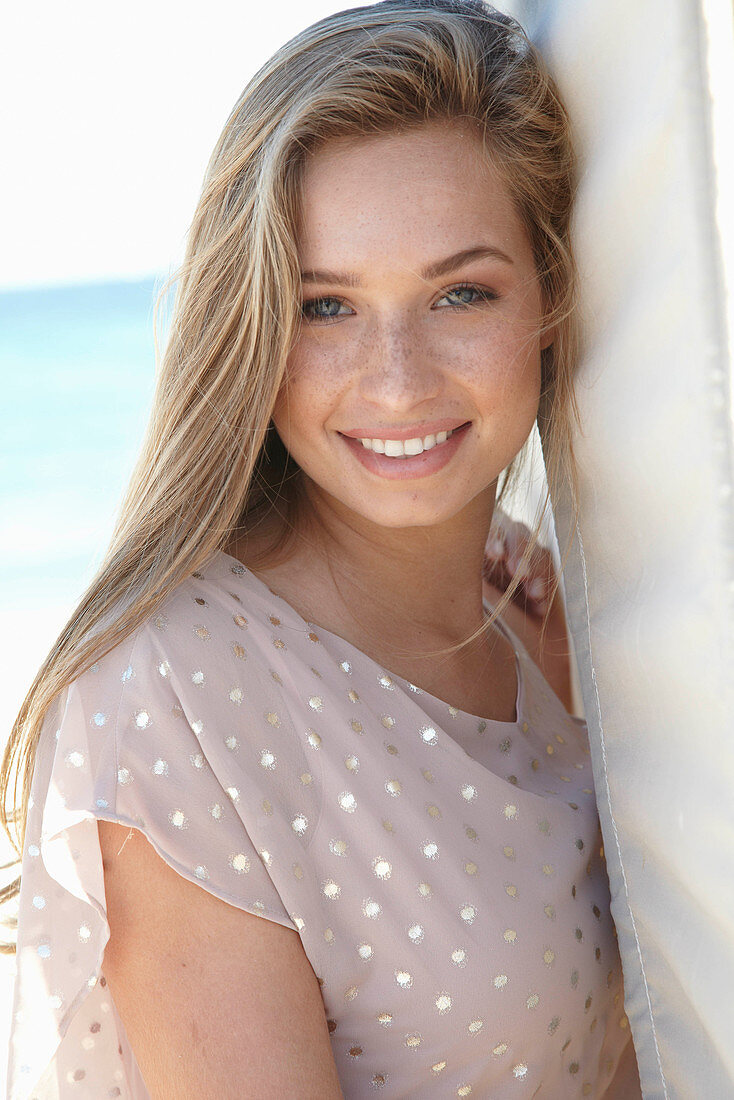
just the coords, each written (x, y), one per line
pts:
(405, 448)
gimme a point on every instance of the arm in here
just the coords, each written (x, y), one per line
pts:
(216, 1002)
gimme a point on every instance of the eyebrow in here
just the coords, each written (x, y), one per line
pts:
(432, 271)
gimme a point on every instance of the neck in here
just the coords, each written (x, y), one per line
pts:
(406, 587)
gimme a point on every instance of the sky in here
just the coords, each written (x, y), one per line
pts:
(109, 116)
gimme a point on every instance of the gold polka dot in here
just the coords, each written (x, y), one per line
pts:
(385, 1018)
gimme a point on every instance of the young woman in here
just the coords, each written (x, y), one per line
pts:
(307, 820)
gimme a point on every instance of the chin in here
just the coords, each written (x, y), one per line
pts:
(409, 514)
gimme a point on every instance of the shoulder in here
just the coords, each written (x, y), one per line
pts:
(206, 638)
(198, 688)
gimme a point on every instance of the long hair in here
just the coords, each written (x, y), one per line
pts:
(210, 464)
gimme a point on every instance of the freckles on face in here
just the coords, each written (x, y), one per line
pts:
(422, 310)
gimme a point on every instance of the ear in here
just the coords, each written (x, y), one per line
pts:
(547, 338)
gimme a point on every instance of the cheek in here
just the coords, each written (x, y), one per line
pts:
(501, 366)
(316, 377)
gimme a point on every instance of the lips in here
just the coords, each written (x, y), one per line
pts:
(409, 456)
(414, 431)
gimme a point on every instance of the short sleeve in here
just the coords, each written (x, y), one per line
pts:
(155, 735)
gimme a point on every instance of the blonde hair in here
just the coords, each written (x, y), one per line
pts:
(210, 463)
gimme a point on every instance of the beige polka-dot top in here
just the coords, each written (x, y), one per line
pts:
(443, 872)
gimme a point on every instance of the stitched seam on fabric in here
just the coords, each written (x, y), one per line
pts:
(611, 815)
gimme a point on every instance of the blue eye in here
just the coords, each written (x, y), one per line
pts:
(324, 309)
(467, 295)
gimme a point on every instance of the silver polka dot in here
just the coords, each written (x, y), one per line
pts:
(416, 932)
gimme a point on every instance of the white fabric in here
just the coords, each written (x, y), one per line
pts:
(651, 582)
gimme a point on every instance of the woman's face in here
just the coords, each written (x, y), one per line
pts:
(415, 378)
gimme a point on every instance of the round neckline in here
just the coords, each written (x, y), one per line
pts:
(504, 630)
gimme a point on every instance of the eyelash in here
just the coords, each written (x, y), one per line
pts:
(484, 295)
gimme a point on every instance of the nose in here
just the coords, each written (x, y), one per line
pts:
(399, 369)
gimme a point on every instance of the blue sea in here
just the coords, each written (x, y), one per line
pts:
(77, 368)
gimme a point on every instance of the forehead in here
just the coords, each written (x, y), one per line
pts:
(418, 192)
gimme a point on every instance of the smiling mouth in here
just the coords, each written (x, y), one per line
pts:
(408, 448)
